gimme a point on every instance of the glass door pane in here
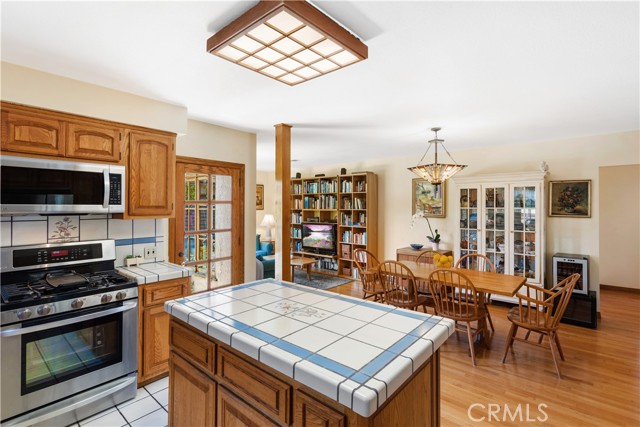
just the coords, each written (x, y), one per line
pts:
(469, 221)
(494, 225)
(525, 247)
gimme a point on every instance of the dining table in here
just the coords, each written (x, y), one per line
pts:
(484, 281)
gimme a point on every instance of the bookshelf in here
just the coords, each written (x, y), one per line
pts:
(351, 201)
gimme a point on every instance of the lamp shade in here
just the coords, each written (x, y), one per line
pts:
(436, 173)
(268, 221)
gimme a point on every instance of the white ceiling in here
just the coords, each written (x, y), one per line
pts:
(486, 72)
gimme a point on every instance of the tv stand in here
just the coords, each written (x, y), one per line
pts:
(313, 254)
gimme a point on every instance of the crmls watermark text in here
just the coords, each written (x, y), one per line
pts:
(495, 412)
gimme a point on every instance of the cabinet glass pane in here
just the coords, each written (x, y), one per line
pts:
(490, 241)
(518, 243)
(199, 282)
(518, 197)
(490, 222)
(201, 241)
(473, 218)
(220, 274)
(500, 197)
(489, 197)
(498, 263)
(518, 265)
(221, 188)
(464, 198)
(530, 197)
(221, 216)
(530, 266)
(473, 198)
(220, 244)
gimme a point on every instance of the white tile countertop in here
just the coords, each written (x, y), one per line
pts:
(354, 351)
(155, 272)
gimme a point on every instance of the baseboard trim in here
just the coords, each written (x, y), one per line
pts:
(620, 288)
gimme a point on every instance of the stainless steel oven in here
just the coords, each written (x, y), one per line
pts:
(69, 338)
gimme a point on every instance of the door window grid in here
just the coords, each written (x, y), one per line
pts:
(208, 238)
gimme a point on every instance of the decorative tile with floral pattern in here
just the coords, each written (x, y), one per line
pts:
(64, 229)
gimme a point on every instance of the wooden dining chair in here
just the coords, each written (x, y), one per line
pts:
(540, 311)
(457, 299)
(400, 286)
(367, 265)
(479, 262)
(426, 258)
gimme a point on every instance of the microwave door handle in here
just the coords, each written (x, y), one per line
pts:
(21, 331)
(105, 201)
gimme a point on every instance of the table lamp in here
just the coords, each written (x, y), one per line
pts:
(268, 221)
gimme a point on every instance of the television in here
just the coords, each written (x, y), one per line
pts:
(319, 238)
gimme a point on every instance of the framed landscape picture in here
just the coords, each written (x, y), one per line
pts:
(259, 197)
(570, 198)
(429, 198)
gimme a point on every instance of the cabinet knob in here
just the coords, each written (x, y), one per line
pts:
(180, 254)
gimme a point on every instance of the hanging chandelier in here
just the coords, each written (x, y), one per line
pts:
(436, 173)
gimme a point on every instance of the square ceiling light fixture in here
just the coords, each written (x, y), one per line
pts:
(290, 41)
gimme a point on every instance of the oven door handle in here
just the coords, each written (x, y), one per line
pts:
(21, 331)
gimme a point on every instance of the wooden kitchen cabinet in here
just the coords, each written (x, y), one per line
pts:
(93, 141)
(233, 411)
(151, 168)
(30, 131)
(250, 393)
(149, 155)
(311, 413)
(153, 330)
(192, 395)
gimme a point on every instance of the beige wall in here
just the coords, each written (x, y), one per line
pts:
(195, 139)
(207, 141)
(576, 158)
(31, 87)
(620, 226)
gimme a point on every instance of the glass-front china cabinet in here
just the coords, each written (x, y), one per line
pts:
(502, 216)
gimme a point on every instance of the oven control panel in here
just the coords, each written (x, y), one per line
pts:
(72, 304)
(56, 254)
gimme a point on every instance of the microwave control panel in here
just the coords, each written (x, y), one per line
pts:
(115, 189)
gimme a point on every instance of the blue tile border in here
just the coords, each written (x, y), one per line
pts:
(136, 241)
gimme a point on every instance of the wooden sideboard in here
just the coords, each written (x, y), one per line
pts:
(410, 254)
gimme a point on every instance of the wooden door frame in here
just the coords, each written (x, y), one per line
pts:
(237, 201)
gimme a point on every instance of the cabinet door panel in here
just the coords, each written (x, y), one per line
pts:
(152, 159)
(312, 413)
(92, 141)
(192, 395)
(156, 341)
(34, 134)
(234, 412)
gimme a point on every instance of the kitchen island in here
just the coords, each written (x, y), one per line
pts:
(276, 353)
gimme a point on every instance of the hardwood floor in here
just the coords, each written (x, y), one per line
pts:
(601, 384)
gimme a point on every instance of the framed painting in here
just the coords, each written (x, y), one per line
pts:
(429, 198)
(259, 197)
(570, 198)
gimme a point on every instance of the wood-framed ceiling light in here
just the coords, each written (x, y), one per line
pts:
(290, 41)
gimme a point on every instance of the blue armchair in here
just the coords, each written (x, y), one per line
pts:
(268, 265)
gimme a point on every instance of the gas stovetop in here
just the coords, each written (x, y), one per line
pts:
(62, 285)
(47, 280)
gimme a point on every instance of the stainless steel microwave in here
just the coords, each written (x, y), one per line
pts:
(50, 186)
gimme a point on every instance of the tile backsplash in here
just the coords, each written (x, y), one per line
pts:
(131, 236)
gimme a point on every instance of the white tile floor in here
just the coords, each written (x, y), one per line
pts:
(148, 409)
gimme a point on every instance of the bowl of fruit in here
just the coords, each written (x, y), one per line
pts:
(442, 261)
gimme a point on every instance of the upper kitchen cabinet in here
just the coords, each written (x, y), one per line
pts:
(93, 141)
(149, 155)
(151, 168)
(30, 132)
(36, 131)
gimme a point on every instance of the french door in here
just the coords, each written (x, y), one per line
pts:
(207, 234)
